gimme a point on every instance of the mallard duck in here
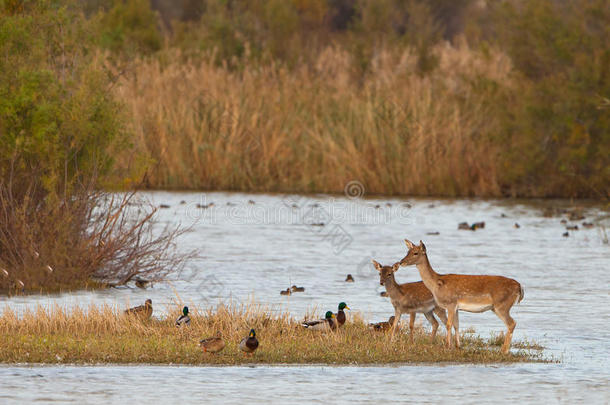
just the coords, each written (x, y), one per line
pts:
(212, 344)
(382, 326)
(145, 311)
(478, 225)
(464, 226)
(286, 292)
(141, 283)
(184, 319)
(349, 278)
(249, 344)
(340, 314)
(322, 324)
(294, 288)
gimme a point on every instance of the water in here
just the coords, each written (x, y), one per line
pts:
(252, 251)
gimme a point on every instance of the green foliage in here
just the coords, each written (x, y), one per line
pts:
(58, 124)
(556, 129)
(130, 27)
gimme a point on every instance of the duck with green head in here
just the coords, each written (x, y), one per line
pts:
(340, 314)
(184, 319)
(249, 344)
(328, 323)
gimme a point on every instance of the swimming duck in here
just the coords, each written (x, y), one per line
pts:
(184, 319)
(478, 225)
(340, 314)
(212, 344)
(464, 226)
(286, 292)
(142, 283)
(144, 311)
(250, 344)
(294, 288)
(382, 326)
(322, 324)
(349, 278)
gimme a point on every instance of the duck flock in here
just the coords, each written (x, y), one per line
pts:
(437, 295)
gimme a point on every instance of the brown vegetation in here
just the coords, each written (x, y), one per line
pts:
(105, 335)
(316, 127)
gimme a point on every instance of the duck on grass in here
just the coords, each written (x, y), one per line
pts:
(106, 335)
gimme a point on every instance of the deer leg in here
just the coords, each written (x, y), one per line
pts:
(397, 315)
(411, 325)
(442, 314)
(450, 317)
(430, 317)
(510, 325)
(456, 328)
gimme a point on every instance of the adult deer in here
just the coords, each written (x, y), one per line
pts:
(409, 298)
(469, 293)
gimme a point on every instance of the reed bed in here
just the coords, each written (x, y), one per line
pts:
(105, 335)
(317, 126)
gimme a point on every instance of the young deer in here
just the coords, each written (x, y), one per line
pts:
(455, 292)
(409, 298)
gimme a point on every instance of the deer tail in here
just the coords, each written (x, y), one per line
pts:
(521, 293)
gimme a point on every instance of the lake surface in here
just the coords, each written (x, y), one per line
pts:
(252, 250)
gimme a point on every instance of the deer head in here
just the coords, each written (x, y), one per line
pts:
(415, 254)
(385, 272)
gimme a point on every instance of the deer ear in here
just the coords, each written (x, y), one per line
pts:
(395, 266)
(423, 247)
(410, 244)
(377, 265)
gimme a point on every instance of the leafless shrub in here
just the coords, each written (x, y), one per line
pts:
(91, 237)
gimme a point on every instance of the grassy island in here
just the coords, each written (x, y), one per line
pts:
(105, 335)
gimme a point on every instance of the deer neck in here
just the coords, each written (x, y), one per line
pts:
(428, 275)
(391, 286)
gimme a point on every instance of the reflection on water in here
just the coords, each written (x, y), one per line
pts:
(255, 250)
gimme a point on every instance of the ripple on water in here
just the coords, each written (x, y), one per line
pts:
(257, 250)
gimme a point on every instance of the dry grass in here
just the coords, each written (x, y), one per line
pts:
(105, 335)
(318, 126)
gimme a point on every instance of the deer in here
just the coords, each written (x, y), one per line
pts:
(409, 298)
(471, 293)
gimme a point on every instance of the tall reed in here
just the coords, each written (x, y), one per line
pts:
(318, 126)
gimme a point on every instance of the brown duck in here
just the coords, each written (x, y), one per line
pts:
(144, 311)
(212, 344)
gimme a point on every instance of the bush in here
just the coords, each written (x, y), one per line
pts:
(557, 129)
(130, 27)
(60, 129)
